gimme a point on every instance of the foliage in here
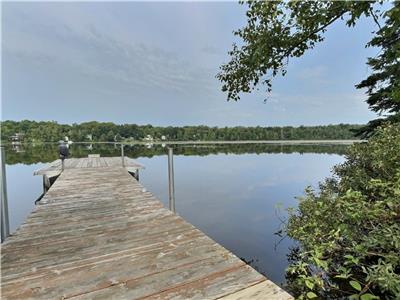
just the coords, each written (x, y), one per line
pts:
(368, 130)
(349, 231)
(383, 85)
(277, 31)
(110, 132)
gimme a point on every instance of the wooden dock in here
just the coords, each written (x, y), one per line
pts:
(98, 234)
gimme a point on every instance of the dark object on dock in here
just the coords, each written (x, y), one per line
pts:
(64, 150)
(64, 153)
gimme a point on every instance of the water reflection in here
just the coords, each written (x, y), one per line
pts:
(30, 154)
(233, 198)
(228, 191)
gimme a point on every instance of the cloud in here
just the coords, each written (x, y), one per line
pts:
(99, 54)
(211, 50)
(229, 112)
(158, 63)
(316, 74)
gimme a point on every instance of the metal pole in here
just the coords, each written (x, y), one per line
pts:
(5, 222)
(122, 155)
(171, 180)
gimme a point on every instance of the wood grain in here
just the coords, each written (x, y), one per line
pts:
(92, 161)
(98, 234)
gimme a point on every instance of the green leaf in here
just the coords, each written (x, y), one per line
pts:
(368, 297)
(343, 276)
(356, 285)
(311, 295)
(310, 284)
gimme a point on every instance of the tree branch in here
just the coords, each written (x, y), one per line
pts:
(375, 17)
(312, 33)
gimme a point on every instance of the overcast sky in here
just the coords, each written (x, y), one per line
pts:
(155, 63)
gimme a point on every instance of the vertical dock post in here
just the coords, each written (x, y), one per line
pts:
(46, 183)
(5, 222)
(171, 180)
(122, 155)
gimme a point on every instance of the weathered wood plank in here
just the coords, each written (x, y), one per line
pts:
(119, 268)
(213, 286)
(260, 291)
(92, 161)
(100, 235)
(104, 162)
(93, 255)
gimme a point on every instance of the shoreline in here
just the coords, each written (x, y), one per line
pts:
(268, 142)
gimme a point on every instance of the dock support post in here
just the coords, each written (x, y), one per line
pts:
(5, 222)
(122, 155)
(136, 174)
(46, 183)
(171, 180)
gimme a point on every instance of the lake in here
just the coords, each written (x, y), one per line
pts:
(237, 194)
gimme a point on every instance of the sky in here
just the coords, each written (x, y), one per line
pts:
(155, 63)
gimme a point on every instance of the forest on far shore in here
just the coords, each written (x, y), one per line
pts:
(51, 131)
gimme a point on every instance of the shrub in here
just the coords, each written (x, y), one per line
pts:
(348, 232)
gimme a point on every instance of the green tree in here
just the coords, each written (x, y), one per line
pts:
(277, 31)
(383, 85)
(109, 132)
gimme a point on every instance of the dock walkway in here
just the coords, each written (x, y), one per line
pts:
(98, 234)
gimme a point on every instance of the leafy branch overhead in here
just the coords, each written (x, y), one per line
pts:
(277, 31)
(383, 85)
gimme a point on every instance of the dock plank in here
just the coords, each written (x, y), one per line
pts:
(92, 161)
(100, 235)
(260, 291)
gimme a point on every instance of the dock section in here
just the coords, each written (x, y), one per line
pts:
(54, 169)
(98, 234)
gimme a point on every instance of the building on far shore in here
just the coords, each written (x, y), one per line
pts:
(148, 138)
(17, 138)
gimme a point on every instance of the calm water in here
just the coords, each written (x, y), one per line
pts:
(236, 194)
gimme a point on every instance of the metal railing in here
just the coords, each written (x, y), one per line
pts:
(122, 155)
(171, 187)
(5, 222)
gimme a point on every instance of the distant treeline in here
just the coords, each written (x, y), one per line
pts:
(43, 153)
(109, 132)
